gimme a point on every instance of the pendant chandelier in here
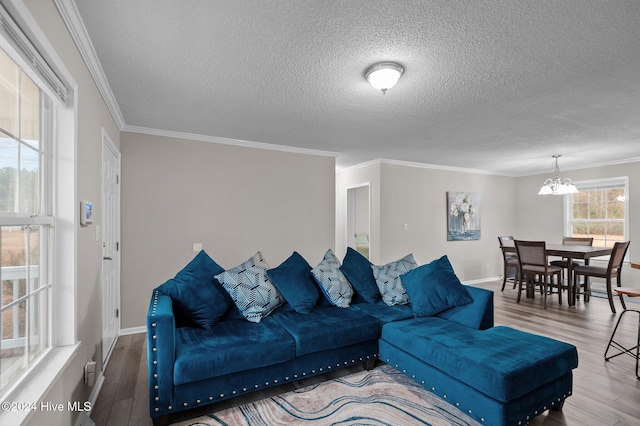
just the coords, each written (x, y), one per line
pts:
(557, 186)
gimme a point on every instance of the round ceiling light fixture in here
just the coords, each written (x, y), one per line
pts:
(384, 75)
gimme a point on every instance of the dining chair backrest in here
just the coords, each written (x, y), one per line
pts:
(502, 239)
(617, 256)
(531, 252)
(577, 241)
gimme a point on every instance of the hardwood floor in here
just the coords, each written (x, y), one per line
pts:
(604, 393)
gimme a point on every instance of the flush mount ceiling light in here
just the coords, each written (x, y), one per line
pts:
(384, 75)
(557, 186)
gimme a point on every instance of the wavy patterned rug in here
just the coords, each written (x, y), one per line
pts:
(382, 396)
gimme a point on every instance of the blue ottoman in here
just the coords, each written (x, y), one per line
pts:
(499, 376)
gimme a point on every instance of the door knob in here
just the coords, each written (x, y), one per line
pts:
(107, 258)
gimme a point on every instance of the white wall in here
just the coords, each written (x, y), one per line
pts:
(233, 200)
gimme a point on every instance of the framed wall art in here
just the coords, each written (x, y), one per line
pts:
(463, 216)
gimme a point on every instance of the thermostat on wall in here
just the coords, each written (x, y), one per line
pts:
(86, 213)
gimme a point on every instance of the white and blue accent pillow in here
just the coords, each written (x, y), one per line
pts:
(388, 280)
(332, 281)
(250, 288)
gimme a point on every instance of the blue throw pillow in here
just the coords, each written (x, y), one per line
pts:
(388, 280)
(196, 293)
(251, 289)
(357, 269)
(333, 283)
(294, 281)
(434, 287)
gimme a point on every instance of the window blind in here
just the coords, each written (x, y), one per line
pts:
(611, 183)
(21, 43)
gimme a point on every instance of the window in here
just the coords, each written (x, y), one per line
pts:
(37, 190)
(599, 210)
(25, 222)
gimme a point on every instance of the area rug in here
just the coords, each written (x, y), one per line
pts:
(382, 396)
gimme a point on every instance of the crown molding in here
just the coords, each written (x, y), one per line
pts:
(72, 20)
(228, 141)
(447, 168)
(422, 166)
(477, 171)
(592, 165)
(375, 162)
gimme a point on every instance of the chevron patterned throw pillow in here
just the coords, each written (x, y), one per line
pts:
(332, 281)
(388, 280)
(250, 288)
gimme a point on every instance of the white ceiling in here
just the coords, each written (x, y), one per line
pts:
(496, 85)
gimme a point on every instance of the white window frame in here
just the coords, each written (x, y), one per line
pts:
(622, 181)
(39, 379)
(44, 220)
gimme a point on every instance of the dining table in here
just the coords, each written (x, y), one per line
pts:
(570, 253)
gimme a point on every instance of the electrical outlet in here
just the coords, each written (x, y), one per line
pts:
(90, 373)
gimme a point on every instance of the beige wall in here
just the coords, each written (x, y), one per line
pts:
(542, 217)
(416, 196)
(233, 200)
(405, 194)
(92, 117)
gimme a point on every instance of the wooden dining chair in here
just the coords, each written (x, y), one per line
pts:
(510, 260)
(533, 260)
(572, 241)
(564, 263)
(613, 270)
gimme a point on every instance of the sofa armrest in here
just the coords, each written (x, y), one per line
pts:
(478, 314)
(161, 334)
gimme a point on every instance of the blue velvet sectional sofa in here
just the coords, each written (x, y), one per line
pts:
(199, 354)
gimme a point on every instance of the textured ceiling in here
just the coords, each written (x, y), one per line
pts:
(496, 85)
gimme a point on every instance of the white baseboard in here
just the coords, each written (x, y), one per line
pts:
(481, 280)
(133, 330)
(84, 419)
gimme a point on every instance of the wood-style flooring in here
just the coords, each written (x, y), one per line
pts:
(604, 393)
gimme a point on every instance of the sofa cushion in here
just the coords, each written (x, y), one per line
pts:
(357, 269)
(294, 281)
(388, 280)
(196, 293)
(229, 347)
(251, 290)
(333, 283)
(328, 327)
(385, 313)
(501, 362)
(434, 287)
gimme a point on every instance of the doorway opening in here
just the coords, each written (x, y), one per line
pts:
(359, 219)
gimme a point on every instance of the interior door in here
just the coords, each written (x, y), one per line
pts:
(110, 246)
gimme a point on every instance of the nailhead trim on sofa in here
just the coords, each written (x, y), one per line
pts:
(158, 403)
(544, 408)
